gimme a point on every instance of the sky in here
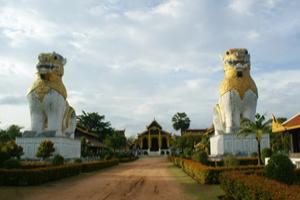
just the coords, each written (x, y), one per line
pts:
(136, 60)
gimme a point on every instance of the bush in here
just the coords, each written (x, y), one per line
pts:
(77, 160)
(187, 153)
(45, 149)
(12, 163)
(13, 150)
(58, 160)
(265, 153)
(38, 176)
(207, 174)
(242, 161)
(34, 164)
(200, 156)
(280, 168)
(108, 155)
(231, 161)
(238, 185)
(3, 157)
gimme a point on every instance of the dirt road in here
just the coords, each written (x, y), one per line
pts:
(144, 179)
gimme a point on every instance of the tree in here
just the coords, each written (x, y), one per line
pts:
(115, 141)
(12, 149)
(259, 127)
(181, 122)
(95, 123)
(10, 133)
(14, 131)
(45, 149)
(130, 140)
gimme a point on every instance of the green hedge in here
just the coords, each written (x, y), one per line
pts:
(207, 174)
(41, 175)
(34, 165)
(238, 185)
(242, 161)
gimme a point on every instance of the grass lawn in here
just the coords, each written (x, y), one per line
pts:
(192, 188)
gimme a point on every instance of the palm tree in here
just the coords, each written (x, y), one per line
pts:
(258, 127)
(181, 122)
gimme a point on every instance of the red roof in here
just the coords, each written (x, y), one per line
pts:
(293, 121)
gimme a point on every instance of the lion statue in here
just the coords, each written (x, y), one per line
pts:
(238, 93)
(50, 112)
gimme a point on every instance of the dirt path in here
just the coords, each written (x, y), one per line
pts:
(145, 179)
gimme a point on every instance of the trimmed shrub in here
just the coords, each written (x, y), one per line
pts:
(58, 160)
(45, 150)
(77, 160)
(242, 161)
(34, 164)
(38, 176)
(265, 153)
(231, 161)
(207, 174)
(238, 185)
(200, 156)
(3, 157)
(280, 168)
(12, 163)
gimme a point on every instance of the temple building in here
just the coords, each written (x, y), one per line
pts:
(291, 127)
(153, 141)
(95, 146)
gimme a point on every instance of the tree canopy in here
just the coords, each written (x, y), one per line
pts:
(96, 123)
(10, 133)
(181, 122)
(115, 141)
(259, 127)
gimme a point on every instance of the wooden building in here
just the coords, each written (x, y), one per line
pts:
(153, 141)
(291, 127)
(92, 138)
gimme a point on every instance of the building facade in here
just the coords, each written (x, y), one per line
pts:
(292, 128)
(153, 141)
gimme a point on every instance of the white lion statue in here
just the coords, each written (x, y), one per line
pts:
(238, 93)
(49, 109)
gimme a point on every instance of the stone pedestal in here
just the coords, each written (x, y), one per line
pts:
(237, 145)
(68, 148)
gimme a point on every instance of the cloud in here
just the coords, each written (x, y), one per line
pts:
(12, 100)
(136, 60)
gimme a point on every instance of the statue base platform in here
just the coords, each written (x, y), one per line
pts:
(237, 145)
(67, 147)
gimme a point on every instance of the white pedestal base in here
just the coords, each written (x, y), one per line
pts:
(68, 148)
(237, 145)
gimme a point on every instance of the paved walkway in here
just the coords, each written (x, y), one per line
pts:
(144, 179)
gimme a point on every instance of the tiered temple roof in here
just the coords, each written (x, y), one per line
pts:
(290, 124)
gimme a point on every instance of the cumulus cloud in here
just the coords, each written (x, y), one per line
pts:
(138, 59)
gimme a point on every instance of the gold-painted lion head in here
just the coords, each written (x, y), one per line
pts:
(50, 64)
(236, 63)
